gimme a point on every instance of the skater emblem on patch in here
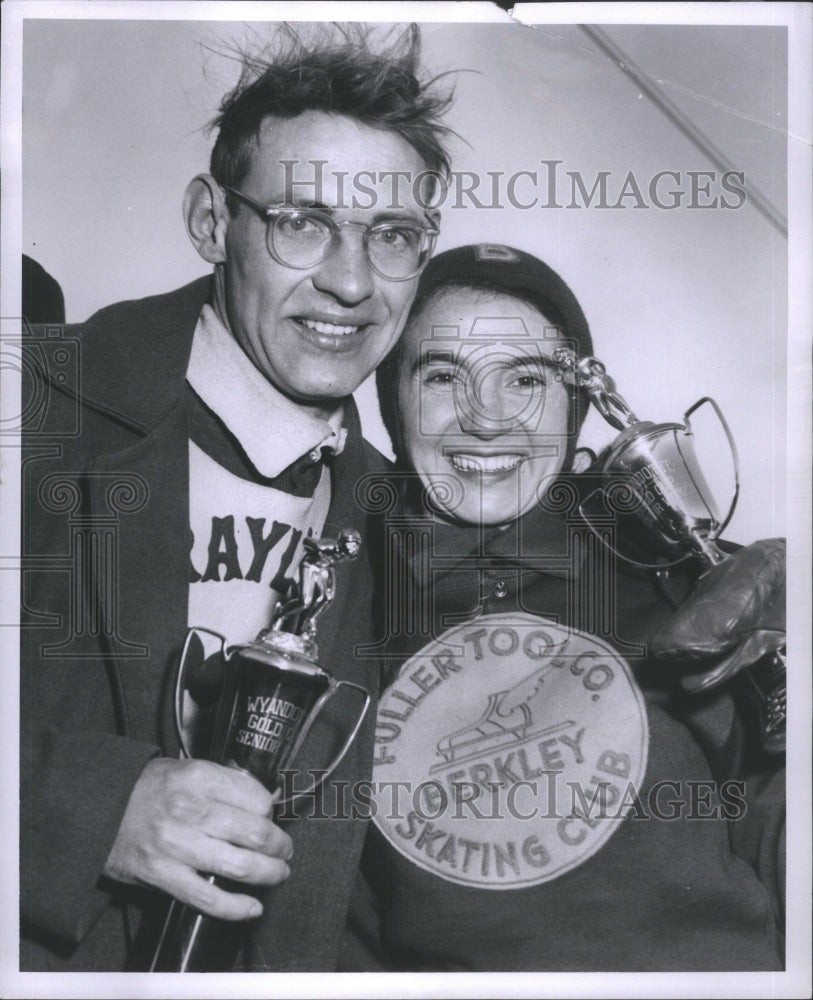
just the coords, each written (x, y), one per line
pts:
(508, 751)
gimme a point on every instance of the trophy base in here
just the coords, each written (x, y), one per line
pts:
(768, 689)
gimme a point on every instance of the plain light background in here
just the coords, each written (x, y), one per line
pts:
(682, 303)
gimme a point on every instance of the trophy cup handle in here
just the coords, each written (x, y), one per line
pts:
(731, 444)
(200, 649)
(344, 747)
(623, 556)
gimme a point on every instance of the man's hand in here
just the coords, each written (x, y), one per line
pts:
(734, 617)
(190, 816)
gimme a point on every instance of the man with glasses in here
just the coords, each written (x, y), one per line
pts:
(216, 432)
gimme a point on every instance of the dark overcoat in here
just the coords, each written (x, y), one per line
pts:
(105, 581)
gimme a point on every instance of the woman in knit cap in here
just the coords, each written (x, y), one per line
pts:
(544, 797)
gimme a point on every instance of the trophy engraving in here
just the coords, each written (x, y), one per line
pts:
(270, 692)
(653, 483)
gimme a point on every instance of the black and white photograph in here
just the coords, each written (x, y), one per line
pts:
(476, 660)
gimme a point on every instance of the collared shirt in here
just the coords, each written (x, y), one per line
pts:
(273, 430)
(257, 483)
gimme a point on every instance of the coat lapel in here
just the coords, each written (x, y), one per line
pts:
(140, 497)
(137, 535)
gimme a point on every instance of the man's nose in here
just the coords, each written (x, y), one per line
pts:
(346, 273)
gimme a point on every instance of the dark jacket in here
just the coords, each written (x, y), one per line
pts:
(691, 878)
(105, 553)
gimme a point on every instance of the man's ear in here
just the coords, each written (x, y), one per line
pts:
(207, 218)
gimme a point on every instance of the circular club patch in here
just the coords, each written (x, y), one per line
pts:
(508, 751)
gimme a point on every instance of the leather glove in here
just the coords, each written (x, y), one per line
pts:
(737, 612)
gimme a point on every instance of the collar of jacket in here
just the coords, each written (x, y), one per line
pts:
(116, 339)
(539, 541)
(144, 475)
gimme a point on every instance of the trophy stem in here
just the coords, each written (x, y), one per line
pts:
(707, 551)
(193, 942)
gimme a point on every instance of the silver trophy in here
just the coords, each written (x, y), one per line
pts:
(653, 489)
(251, 707)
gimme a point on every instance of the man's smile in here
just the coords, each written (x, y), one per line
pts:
(333, 334)
(330, 328)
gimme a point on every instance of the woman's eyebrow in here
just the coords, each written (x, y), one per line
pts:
(540, 360)
(447, 357)
(434, 357)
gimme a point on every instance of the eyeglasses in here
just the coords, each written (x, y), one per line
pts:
(303, 237)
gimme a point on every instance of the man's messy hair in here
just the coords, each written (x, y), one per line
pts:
(335, 70)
